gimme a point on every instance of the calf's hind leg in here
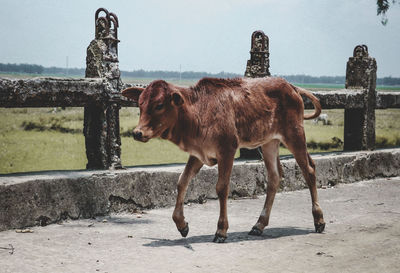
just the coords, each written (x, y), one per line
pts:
(270, 153)
(307, 166)
(193, 166)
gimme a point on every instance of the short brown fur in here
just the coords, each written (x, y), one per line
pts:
(213, 119)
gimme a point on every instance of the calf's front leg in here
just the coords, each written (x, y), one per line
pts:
(224, 172)
(193, 166)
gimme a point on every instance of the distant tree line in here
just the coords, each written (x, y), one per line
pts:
(38, 69)
(22, 68)
(335, 79)
(80, 72)
(176, 74)
(388, 81)
(312, 79)
(64, 71)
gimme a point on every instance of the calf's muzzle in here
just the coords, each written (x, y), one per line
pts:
(137, 135)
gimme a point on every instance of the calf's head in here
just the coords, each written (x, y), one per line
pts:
(159, 103)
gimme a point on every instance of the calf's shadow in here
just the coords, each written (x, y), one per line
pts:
(233, 237)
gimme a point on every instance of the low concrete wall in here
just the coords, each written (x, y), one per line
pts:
(48, 197)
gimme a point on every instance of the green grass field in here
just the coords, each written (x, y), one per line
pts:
(44, 147)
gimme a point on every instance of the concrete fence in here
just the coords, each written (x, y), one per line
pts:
(47, 197)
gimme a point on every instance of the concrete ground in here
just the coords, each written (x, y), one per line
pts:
(362, 235)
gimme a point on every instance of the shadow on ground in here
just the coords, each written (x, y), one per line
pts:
(128, 220)
(105, 220)
(233, 237)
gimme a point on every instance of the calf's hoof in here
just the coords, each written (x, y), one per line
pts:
(184, 231)
(219, 238)
(255, 231)
(320, 227)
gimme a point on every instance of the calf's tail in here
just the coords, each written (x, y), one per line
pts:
(314, 100)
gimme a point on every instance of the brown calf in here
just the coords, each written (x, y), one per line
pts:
(213, 119)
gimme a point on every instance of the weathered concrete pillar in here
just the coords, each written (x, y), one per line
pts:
(101, 118)
(359, 124)
(257, 67)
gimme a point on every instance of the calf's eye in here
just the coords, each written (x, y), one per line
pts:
(159, 106)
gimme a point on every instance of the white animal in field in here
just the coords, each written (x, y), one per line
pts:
(323, 118)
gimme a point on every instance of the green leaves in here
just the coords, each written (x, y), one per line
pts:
(382, 7)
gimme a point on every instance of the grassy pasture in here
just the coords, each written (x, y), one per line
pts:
(54, 141)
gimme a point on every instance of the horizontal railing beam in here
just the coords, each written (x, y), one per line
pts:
(352, 99)
(386, 100)
(55, 92)
(338, 99)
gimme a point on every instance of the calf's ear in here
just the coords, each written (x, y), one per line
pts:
(132, 93)
(177, 99)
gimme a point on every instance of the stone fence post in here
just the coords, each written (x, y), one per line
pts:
(101, 119)
(359, 124)
(257, 67)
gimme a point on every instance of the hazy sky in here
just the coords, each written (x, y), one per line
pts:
(314, 37)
